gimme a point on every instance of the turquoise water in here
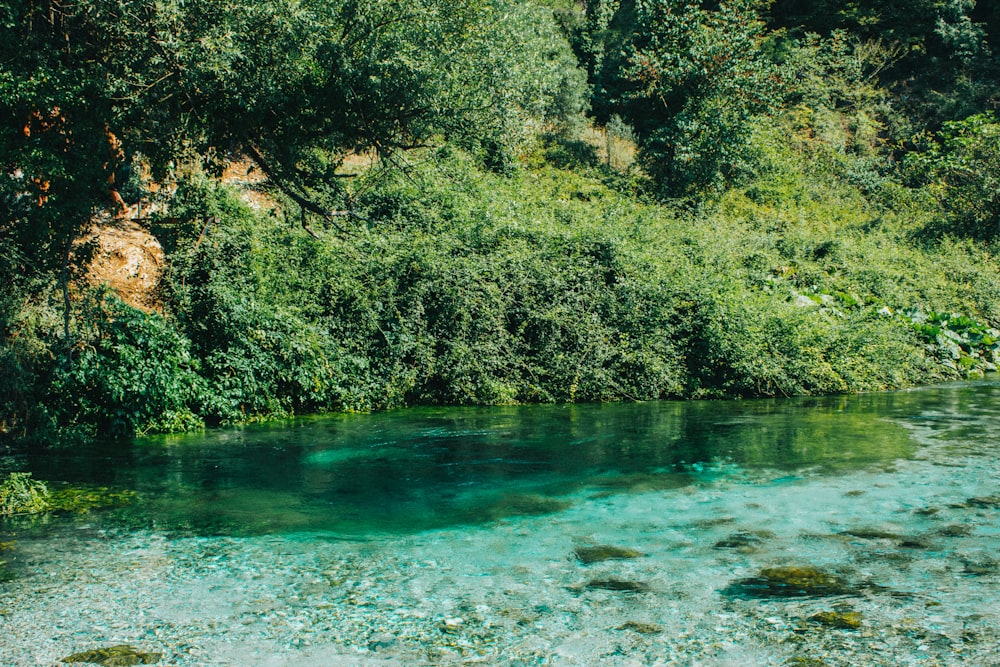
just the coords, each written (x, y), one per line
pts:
(427, 468)
(453, 536)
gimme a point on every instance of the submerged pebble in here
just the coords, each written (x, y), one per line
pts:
(641, 628)
(603, 552)
(622, 585)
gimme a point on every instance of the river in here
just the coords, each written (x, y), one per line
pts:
(851, 530)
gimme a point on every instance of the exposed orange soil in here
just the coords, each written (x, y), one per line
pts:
(129, 259)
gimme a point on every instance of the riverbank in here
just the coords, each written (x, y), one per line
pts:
(548, 285)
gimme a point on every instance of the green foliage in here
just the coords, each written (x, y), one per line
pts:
(19, 494)
(690, 81)
(959, 341)
(85, 86)
(947, 65)
(960, 166)
(22, 495)
(132, 373)
(494, 268)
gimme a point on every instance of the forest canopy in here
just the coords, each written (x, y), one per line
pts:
(610, 200)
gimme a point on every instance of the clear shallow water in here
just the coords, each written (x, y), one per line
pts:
(449, 537)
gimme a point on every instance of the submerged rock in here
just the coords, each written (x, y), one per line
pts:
(983, 566)
(778, 582)
(915, 543)
(640, 627)
(641, 482)
(846, 620)
(983, 502)
(955, 530)
(452, 624)
(714, 521)
(518, 504)
(871, 534)
(745, 540)
(115, 656)
(622, 585)
(602, 552)
(879, 534)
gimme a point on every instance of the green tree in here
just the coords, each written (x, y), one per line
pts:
(948, 67)
(695, 79)
(295, 84)
(961, 167)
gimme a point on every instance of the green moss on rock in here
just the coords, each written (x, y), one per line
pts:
(846, 620)
(778, 582)
(115, 656)
(602, 552)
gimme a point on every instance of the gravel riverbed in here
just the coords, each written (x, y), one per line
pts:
(915, 548)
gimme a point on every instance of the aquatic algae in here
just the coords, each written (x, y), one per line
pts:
(846, 620)
(115, 656)
(19, 494)
(602, 552)
(82, 499)
(777, 582)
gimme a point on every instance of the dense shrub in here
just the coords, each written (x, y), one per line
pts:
(465, 287)
(132, 372)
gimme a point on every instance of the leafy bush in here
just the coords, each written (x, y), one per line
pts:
(961, 168)
(132, 372)
(465, 287)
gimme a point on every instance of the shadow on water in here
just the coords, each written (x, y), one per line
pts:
(426, 468)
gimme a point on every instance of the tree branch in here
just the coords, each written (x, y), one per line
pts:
(305, 204)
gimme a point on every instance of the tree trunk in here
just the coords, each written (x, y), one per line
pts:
(64, 280)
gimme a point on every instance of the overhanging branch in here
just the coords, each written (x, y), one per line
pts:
(305, 203)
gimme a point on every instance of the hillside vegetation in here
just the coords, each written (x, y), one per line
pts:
(492, 202)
